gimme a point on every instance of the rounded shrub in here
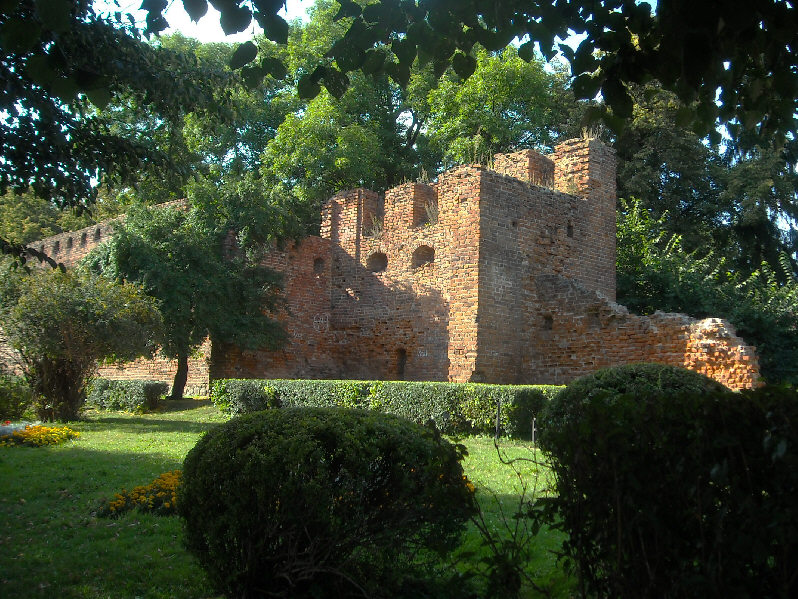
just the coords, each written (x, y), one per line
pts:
(670, 485)
(322, 502)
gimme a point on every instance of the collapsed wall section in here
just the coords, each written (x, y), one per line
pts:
(579, 332)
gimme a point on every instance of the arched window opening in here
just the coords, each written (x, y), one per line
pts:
(423, 255)
(377, 262)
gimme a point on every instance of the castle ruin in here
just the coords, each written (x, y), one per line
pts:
(498, 275)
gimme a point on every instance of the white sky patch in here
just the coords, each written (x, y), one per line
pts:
(208, 28)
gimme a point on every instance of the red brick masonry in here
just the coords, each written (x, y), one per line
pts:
(503, 275)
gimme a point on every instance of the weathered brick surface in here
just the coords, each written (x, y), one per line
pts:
(513, 282)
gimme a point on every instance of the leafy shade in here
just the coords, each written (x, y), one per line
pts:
(507, 104)
(63, 323)
(202, 289)
(746, 50)
(60, 63)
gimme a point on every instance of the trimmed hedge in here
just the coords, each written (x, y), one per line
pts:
(670, 485)
(455, 408)
(127, 396)
(324, 503)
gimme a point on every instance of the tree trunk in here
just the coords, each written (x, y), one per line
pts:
(181, 376)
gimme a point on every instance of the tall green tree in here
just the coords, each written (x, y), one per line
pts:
(507, 104)
(61, 62)
(203, 286)
(739, 199)
(63, 323)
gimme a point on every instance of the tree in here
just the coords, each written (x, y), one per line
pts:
(507, 104)
(63, 323)
(61, 62)
(202, 288)
(744, 50)
(739, 200)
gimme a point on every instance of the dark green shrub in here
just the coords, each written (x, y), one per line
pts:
(242, 396)
(455, 408)
(127, 396)
(15, 397)
(673, 486)
(321, 502)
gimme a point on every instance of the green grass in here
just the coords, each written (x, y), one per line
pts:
(53, 544)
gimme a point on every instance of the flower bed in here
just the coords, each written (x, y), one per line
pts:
(159, 497)
(35, 435)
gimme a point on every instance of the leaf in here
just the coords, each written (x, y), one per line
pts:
(464, 65)
(100, 97)
(8, 6)
(153, 6)
(616, 96)
(196, 9)
(526, 51)
(65, 88)
(20, 35)
(55, 15)
(252, 76)
(244, 54)
(373, 63)
(583, 60)
(348, 9)
(234, 19)
(307, 88)
(586, 86)
(275, 28)
(39, 70)
(274, 67)
(336, 82)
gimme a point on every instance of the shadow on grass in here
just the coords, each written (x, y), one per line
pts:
(134, 424)
(169, 406)
(53, 543)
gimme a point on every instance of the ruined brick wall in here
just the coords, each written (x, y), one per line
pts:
(503, 274)
(69, 248)
(579, 332)
(163, 369)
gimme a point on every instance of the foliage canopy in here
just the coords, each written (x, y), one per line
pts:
(202, 290)
(63, 323)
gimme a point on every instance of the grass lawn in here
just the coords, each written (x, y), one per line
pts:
(52, 544)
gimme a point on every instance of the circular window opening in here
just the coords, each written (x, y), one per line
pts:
(423, 255)
(377, 262)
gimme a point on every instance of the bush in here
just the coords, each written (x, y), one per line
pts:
(127, 396)
(455, 408)
(671, 486)
(15, 397)
(321, 502)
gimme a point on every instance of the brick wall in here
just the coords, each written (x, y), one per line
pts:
(578, 331)
(495, 275)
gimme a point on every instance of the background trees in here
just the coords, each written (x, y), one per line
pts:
(60, 63)
(63, 323)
